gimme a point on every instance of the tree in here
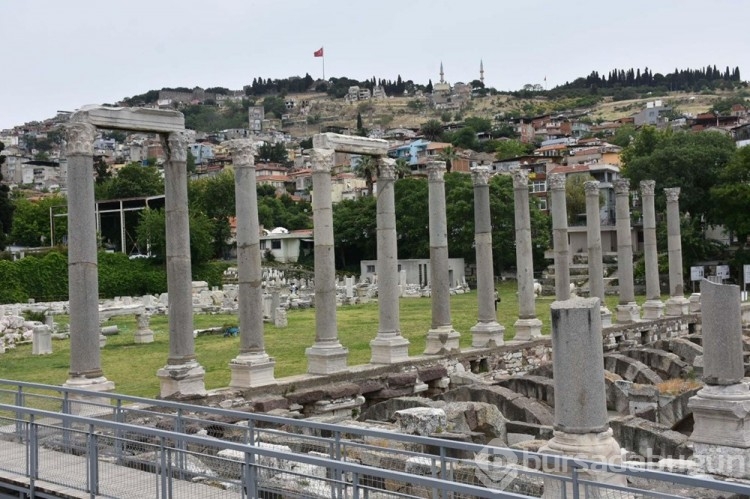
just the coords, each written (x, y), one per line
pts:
(512, 148)
(6, 206)
(465, 138)
(133, 180)
(359, 121)
(432, 129)
(275, 105)
(31, 222)
(732, 195)
(575, 195)
(478, 124)
(190, 161)
(623, 136)
(690, 161)
(354, 229)
(151, 233)
(272, 153)
(367, 168)
(101, 170)
(448, 155)
(402, 168)
(215, 197)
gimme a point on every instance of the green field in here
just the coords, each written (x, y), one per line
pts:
(133, 366)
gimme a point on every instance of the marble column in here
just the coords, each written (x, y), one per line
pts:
(327, 355)
(676, 304)
(653, 308)
(388, 346)
(581, 427)
(83, 280)
(627, 309)
(721, 409)
(560, 244)
(441, 338)
(487, 332)
(252, 367)
(527, 326)
(594, 247)
(183, 375)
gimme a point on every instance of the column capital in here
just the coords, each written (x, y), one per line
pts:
(622, 187)
(480, 175)
(80, 138)
(322, 160)
(177, 144)
(556, 181)
(520, 178)
(242, 151)
(673, 194)
(591, 187)
(647, 187)
(386, 168)
(435, 170)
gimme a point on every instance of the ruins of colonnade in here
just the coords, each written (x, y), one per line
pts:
(252, 366)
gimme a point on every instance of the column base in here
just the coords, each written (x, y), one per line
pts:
(527, 329)
(600, 447)
(144, 336)
(722, 416)
(677, 305)
(695, 303)
(628, 313)
(323, 358)
(653, 309)
(606, 315)
(442, 340)
(251, 369)
(85, 405)
(487, 335)
(180, 380)
(389, 349)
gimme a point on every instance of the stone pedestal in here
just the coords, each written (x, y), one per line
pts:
(628, 312)
(527, 326)
(695, 303)
(487, 332)
(181, 380)
(653, 309)
(677, 305)
(326, 359)
(41, 340)
(590, 446)
(90, 405)
(251, 370)
(389, 349)
(143, 334)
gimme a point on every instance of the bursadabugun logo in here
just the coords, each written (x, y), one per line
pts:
(496, 466)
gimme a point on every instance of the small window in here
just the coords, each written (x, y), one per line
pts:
(543, 204)
(263, 245)
(276, 244)
(371, 269)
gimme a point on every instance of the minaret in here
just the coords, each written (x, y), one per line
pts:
(481, 71)
(441, 73)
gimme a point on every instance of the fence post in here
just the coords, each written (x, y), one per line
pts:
(163, 468)
(251, 471)
(119, 417)
(92, 455)
(32, 451)
(19, 414)
(576, 492)
(339, 477)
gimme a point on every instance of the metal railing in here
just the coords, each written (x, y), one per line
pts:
(119, 446)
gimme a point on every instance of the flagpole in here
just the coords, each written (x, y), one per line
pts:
(324, 65)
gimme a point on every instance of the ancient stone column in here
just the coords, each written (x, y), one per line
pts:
(487, 332)
(326, 356)
(653, 308)
(581, 427)
(182, 375)
(388, 346)
(441, 338)
(627, 309)
(676, 304)
(252, 367)
(560, 243)
(721, 409)
(527, 326)
(594, 247)
(83, 280)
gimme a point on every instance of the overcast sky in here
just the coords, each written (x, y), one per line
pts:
(60, 55)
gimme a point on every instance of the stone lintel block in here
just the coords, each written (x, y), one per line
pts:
(397, 380)
(653, 309)
(487, 335)
(442, 340)
(722, 415)
(136, 119)
(527, 329)
(270, 403)
(723, 460)
(431, 373)
(183, 380)
(630, 312)
(389, 350)
(326, 359)
(249, 371)
(351, 144)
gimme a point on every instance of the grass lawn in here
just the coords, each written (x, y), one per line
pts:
(133, 366)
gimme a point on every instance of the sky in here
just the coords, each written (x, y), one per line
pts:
(61, 55)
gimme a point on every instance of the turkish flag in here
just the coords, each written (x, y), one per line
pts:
(318, 53)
